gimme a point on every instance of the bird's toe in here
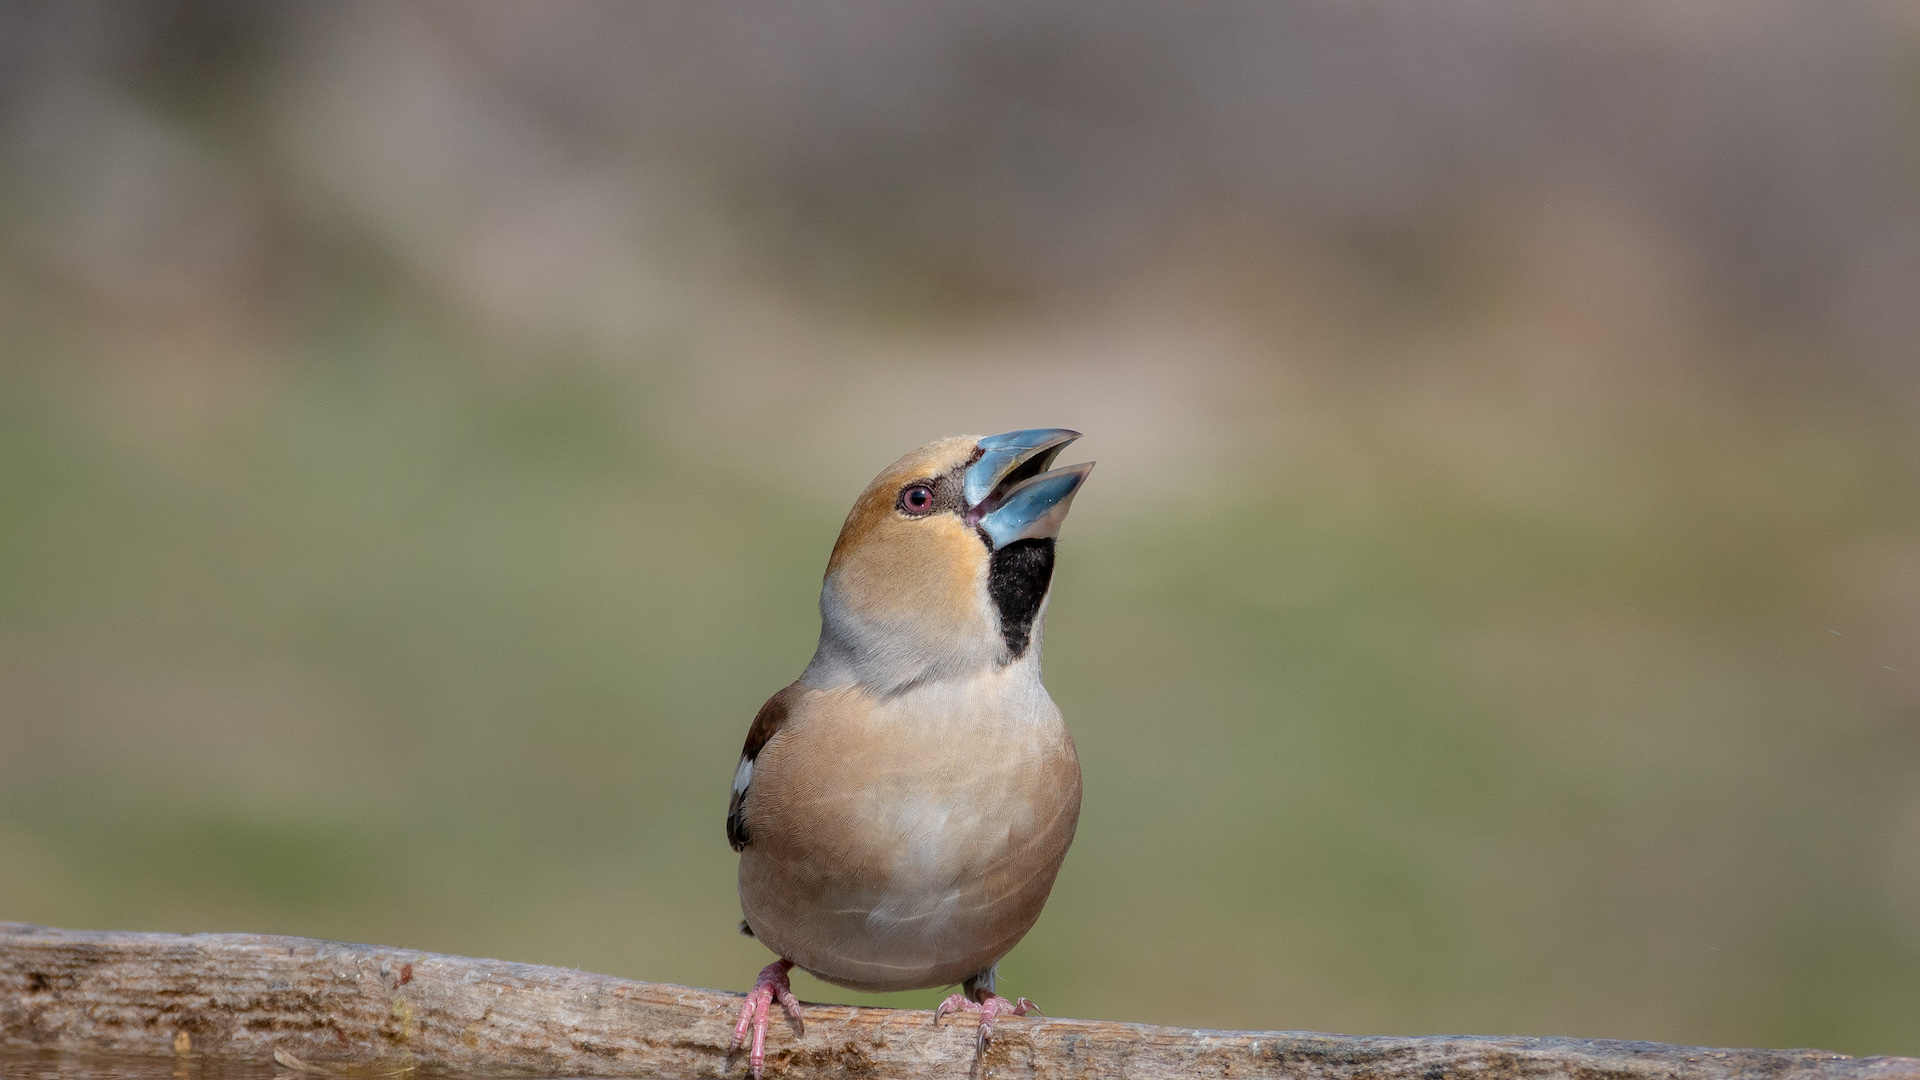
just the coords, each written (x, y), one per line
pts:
(757, 1010)
(993, 1005)
(954, 1003)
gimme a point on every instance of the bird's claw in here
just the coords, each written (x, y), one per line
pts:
(757, 1010)
(991, 1006)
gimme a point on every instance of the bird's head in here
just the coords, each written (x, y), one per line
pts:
(944, 563)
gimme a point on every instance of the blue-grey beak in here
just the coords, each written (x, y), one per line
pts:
(1011, 495)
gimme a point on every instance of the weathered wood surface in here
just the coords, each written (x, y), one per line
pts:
(322, 1004)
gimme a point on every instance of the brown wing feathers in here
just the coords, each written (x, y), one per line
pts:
(766, 722)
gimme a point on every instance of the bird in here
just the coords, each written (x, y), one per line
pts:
(903, 808)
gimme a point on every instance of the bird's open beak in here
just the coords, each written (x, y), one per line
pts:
(1010, 493)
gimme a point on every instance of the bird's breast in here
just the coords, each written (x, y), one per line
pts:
(905, 838)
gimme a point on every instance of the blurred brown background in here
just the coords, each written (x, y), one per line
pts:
(1497, 609)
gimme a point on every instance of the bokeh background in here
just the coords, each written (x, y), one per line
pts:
(1497, 609)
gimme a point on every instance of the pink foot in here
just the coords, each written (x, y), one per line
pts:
(989, 1006)
(758, 1009)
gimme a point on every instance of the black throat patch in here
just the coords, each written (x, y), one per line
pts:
(1017, 580)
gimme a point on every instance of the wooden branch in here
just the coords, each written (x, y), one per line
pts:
(320, 1006)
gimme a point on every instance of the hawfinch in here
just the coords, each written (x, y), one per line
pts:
(901, 810)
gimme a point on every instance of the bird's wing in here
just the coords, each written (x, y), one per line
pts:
(765, 723)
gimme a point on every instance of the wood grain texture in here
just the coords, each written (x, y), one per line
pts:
(246, 997)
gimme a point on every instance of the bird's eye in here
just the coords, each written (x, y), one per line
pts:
(916, 499)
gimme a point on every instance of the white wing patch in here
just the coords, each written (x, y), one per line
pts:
(736, 812)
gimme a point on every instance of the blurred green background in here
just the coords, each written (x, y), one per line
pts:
(1497, 609)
